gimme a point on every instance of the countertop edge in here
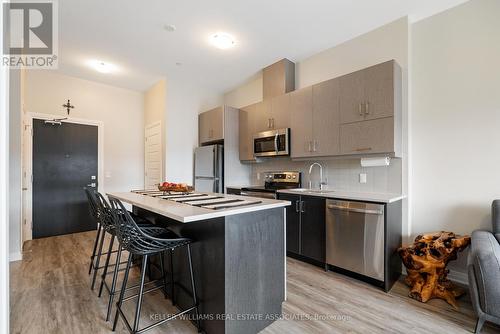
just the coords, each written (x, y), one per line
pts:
(349, 196)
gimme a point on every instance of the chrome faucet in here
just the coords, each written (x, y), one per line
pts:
(321, 182)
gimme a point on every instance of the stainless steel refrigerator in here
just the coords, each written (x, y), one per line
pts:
(209, 168)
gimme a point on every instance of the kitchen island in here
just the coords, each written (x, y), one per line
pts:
(238, 255)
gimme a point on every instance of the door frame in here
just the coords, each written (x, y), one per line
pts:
(27, 163)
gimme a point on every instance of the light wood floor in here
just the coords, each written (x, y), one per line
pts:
(50, 294)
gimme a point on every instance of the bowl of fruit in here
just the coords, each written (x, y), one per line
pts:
(175, 187)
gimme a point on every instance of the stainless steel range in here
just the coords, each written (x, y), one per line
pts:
(274, 181)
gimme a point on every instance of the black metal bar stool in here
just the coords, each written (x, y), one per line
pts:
(94, 214)
(141, 242)
(106, 225)
(108, 218)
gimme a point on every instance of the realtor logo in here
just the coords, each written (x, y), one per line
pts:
(30, 34)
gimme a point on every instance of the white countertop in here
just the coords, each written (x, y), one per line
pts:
(187, 213)
(347, 195)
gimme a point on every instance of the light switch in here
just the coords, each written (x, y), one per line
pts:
(362, 178)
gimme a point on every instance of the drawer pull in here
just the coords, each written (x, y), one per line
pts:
(363, 149)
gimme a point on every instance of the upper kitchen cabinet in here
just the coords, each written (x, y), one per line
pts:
(326, 118)
(272, 113)
(262, 116)
(280, 111)
(314, 120)
(369, 137)
(370, 93)
(278, 78)
(301, 123)
(211, 125)
(246, 131)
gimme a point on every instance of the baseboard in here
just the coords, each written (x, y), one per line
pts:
(17, 256)
(454, 275)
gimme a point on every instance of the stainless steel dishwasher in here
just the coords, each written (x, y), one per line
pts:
(355, 237)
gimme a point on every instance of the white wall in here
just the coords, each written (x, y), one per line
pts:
(15, 180)
(184, 102)
(387, 42)
(120, 110)
(456, 118)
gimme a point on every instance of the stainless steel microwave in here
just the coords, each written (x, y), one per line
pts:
(272, 143)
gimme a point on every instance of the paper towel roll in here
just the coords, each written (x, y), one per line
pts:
(375, 162)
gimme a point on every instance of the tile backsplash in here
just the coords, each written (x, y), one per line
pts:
(340, 174)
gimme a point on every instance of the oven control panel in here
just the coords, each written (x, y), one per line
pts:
(282, 177)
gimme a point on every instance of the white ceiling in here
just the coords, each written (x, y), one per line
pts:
(130, 34)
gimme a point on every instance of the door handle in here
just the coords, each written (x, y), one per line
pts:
(276, 142)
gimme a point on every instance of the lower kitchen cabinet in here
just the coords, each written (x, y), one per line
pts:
(305, 226)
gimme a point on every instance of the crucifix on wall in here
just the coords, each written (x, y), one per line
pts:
(68, 107)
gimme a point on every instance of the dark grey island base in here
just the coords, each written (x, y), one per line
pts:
(239, 266)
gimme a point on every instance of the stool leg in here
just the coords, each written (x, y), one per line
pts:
(122, 291)
(98, 259)
(113, 283)
(164, 274)
(106, 264)
(172, 285)
(193, 287)
(96, 241)
(141, 291)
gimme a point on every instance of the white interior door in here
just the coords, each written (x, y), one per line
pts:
(153, 155)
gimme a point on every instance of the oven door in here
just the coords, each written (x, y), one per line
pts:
(272, 143)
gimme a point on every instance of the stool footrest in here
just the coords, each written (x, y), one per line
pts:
(172, 317)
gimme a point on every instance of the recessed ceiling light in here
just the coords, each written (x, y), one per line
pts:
(101, 66)
(222, 40)
(170, 27)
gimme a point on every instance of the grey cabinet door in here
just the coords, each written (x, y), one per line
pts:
(326, 118)
(368, 137)
(203, 128)
(280, 111)
(301, 122)
(211, 125)
(352, 97)
(247, 129)
(216, 118)
(263, 116)
(379, 91)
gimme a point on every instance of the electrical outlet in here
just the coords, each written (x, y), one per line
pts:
(362, 178)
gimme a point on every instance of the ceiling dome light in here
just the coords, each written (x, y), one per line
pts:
(102, 67)
(222, 40)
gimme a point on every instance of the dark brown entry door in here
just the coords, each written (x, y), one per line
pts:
(64, 162)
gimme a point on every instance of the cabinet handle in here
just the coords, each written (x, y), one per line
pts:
(367, 111)
(272, 123)
(297, 206)
(302, 206)
(363, 149)
(315, 146)
(360, 109)
(268, 123)
(309, 146)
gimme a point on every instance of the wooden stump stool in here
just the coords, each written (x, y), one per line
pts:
(425, 261)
